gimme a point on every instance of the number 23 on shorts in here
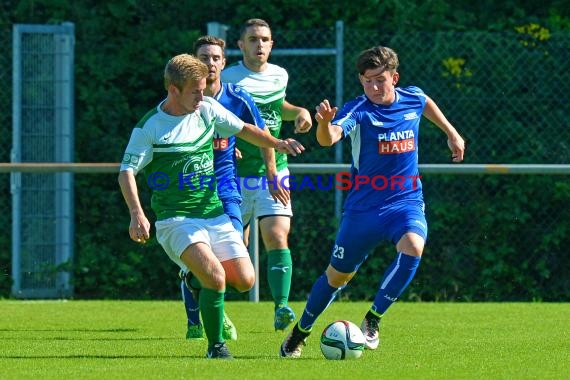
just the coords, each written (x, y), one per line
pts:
(338, 252)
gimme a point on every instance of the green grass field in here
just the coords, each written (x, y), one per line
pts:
(138, 339)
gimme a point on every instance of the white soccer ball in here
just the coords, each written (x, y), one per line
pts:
(342, 340)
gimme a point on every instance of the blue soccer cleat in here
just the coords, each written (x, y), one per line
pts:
(284, 316)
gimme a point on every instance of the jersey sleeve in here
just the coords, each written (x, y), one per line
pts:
(413, 90)
(347, 117)
(138, 152)
(250, 113)
(226, 123)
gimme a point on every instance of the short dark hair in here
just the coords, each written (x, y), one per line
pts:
(378, 56)
(252, 22)
(208, 40)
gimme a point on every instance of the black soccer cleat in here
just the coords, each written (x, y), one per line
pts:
(187, 277)
(293, 345)
(219, 351)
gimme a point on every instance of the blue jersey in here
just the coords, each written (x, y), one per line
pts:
(384, 149)
(239, 102)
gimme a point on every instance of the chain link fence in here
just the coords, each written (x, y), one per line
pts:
(507, 94)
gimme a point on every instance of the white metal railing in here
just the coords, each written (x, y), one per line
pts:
(459, 169)
(111, 167)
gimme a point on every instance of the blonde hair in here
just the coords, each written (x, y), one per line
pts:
(183, 68)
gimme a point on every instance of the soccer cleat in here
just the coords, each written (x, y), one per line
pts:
(284, 315)
(229, 331)
(371, 329)
(195, 332)
(187, 277)
(293, 345)
(219, 351)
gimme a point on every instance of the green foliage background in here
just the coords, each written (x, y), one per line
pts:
(486, 253)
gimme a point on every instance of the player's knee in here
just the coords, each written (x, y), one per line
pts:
(272, 242)
(216, 281)
(275, 235)
(411, 244)
(245, 282)
(337, 279)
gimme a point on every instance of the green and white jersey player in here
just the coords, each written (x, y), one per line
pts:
(267, 89)
(263, 175)
(173, 144)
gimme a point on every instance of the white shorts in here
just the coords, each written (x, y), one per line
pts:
(177, 233)
(257, 201)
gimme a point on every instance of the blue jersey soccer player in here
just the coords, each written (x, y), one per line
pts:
(385, 202)
(210, 50)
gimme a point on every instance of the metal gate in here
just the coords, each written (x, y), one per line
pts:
(42, 117)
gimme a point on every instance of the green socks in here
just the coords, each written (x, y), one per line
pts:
(279, 273)
(212, 310)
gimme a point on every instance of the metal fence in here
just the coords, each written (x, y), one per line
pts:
(507, 93)
(43, 130)
(5, 145)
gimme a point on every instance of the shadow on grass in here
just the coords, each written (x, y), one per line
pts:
(93, 339)
(35, 357)
(89, 331)
(193, 356)
(73, 330)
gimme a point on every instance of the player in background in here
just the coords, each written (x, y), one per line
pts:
(383, 126)
(211, 51)
(261, 173)
(173, 144)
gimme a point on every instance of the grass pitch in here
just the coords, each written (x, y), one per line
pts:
(143, 339)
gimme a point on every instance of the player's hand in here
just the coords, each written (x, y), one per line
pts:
(139, 228)
(457, 146)
(238, 154)
(303, 122)
(279, 189)
(290, 146)
(325, 113)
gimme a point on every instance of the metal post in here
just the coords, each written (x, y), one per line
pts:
(16, 178)
(339, 100)
(254, 254)
(217, 29)
(64, 138)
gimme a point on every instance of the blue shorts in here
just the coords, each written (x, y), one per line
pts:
(362, 231)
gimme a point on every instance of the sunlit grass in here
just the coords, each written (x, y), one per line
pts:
(140, 339)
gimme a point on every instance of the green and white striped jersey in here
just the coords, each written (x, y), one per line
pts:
(176, 153)
(267, 89)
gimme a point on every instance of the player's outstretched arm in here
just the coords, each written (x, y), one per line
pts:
(300, 116)
(139, 227)
(454, 141)
(327, 133)
(257, 136)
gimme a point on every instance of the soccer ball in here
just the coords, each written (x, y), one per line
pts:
(342, 340)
